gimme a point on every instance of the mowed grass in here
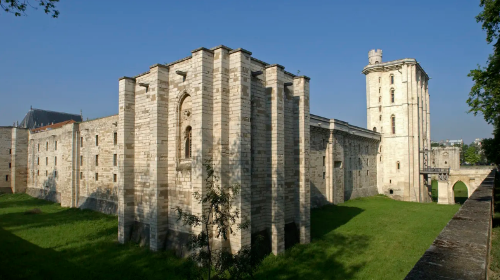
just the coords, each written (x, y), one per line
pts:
(368, 238)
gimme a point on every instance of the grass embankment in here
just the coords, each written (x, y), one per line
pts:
(369, 238)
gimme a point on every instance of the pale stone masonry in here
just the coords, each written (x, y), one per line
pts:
(445, 157)
(397, 99)
(251, 120)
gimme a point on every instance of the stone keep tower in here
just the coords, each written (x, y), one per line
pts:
(397, 100)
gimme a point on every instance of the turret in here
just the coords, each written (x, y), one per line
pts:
(374, 56)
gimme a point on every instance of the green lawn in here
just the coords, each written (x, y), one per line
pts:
(369, 238)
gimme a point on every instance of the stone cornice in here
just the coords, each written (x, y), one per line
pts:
(221, 47)
(202, 49)
(126, 78)
(338, 125)
(275, 65)
(240, 50)
(391, 65)
(158, 65)
(299, 77)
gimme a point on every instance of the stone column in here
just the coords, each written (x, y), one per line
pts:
(202, 123)
(126, 119)
(443, 196)
(221, 114)
(158, 150)
(303, 209)
(75, 164)
(275, 91)
(240, 140)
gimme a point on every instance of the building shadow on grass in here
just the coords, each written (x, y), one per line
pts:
(324, 257)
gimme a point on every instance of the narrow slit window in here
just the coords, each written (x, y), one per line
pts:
(392, 95)
(46, 161)
(114, 178)
(324, 176)
(115, 160)
(81, 160)
(55, 145)
(97, 160)
(392, 79)
(398, 165)
(81, 141)
(188, 143)
(10, 151)
(97, 140)
(39, 147)
(379, 99)
(7, 178)
(47, 146)
(10, 165)
(38, 161)
(55, 160)
(393, 123)
(324, 160)
(115, 138)
(97, 176)
(81, 175)
(380, 108)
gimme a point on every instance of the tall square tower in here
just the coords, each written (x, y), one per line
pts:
(397, 99)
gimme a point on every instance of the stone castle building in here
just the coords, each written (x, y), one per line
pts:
(251, 120)
(397, 100)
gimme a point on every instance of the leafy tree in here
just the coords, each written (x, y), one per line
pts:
(18, 7)
(491, 147)
(471, 155)
(218, 218)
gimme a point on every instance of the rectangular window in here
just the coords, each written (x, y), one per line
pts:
(38, 161)
(81, 160)
(7, 178)
(115, 138)
(55, 146)
(38, 172)
(324, 175)
(81, 175)
(97, 160)
(81, 141)
(10, 151)
(55, 173)
(47, 146)
(324, 160)
(337, 164)
(10, 165)
(39, 147)
(97, 176)
(114, 178)
(46, 161)
(55, 160)
(97, 140)
(115, 161)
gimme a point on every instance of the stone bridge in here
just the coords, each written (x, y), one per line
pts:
(471, 176)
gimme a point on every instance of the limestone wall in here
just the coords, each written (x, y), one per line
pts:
(343, 161)
(251, 126)
(445, 157)
(398, 107)
(5, 159)
(50, 163)
(96, 164)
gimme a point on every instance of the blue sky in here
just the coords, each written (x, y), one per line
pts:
(74, 62)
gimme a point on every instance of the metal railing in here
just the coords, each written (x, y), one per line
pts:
(434, 170)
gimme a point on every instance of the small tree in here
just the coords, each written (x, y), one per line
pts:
(471, 155)
(218, 218)
(18, 7)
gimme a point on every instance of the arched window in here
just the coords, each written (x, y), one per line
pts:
(187, 143)
(380, 108)
(393, 123)
(398, 165)
(185, 130)
(392, 95)
(375, 128)
(392, 79)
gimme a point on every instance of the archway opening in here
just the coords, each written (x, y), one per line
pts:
(434, 190)
(460, 192)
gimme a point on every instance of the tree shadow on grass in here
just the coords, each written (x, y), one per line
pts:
(329, 217)
(21, 200)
